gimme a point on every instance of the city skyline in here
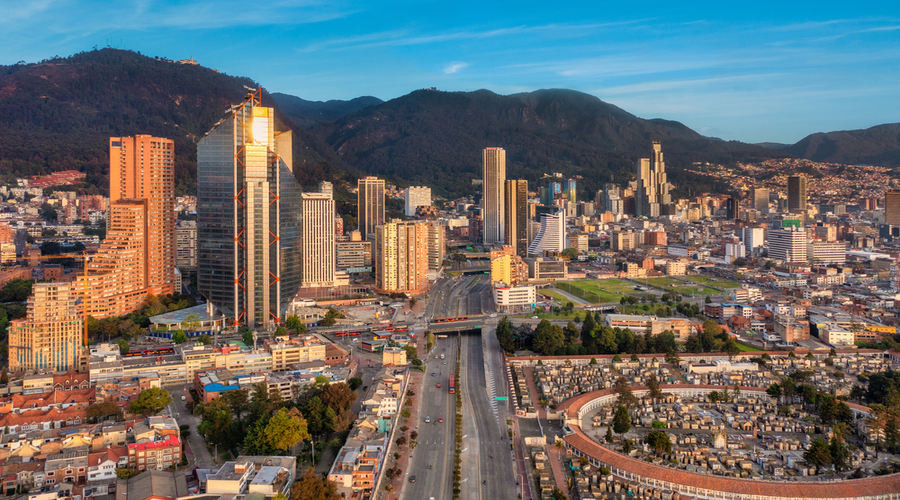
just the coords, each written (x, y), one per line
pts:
(753, 76)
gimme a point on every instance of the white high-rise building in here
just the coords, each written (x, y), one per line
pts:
(416, 196)
(753, 238)
(787, 245)
(552, 235)
(319, 261)
(492, 204)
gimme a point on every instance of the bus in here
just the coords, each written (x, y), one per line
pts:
(340, 334)
(355, 333)
(452, 385)
(451, 320)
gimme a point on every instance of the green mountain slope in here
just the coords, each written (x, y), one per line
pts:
(306, 114)
(436, 138)
(878, 145)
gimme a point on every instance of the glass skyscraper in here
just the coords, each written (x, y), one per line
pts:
(248, 216)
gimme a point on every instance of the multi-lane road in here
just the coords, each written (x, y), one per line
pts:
(462, 296)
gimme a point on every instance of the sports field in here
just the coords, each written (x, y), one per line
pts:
(716, 282)
(682, 288)
(599, 291)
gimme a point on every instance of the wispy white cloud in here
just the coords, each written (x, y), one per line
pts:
(658, 86)
(454, 67)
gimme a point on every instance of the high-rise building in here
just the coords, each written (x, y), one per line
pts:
(652, 197)
(545, 195)
(416, 196)
(753, 238)
(571, 191)
(401, 257)
(796, 194)
(622, 241)
(354, 256)
(436, 244)
(555, 192)
(326, 188)
(552, 235)
(892, 207)
(612, 202)
(761, 200)
(317, 240)
(137, 258)
(787, 245)
(186, 245)
(143, 167)
(248, 216)
(516, 216)
(370, 203)
(493, 213)
(50, 336)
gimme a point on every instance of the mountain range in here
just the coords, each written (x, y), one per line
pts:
(58, 114)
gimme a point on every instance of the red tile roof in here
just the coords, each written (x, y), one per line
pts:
(171, 440)
(20, 401)
(868, 487)
(38, 416)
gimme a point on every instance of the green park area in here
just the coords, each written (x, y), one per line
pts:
(599, 291)
(680, 287)
(716, 282)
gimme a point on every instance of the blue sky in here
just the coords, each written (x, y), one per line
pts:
(764, 72)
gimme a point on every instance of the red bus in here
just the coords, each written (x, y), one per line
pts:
(452, 385)
(340, 334)
(451, 320)
(354, 334)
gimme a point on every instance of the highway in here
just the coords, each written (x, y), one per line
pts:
(436, 440)
(487, 460)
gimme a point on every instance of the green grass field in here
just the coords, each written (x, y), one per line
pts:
(716, 282)
(598, 291)
(746, 348)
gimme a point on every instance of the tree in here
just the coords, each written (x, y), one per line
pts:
(294, 324)
(179, 337)
(621, 420)
(247, 337)
(732, 348)
(609, 435)
(548, 338)
(558, 495)
(216, 422)
(285, 429)
(123, 346)
(569, 306)
(355, 383)
(673, 358)
(659, 441)
(505, 335)
(151, 401)
(238, 401)
(840, 455)
(102, 410)
(282, 332)
(714, 397)
(818, 454)
(570, 333)
(338, 396)
(653, 385)
(626, 397)
(311, 486)
(708, 300)
(204, 339)
(123, 473)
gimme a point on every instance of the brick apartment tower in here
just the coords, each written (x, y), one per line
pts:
(137, 258)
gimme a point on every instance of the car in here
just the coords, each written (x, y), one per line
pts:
(439, 386)
(432, 374)
(493, 315)
(440, 420)
(445, 362)
(534, 317)
(427, 420)
(183, 398)
(412, 479)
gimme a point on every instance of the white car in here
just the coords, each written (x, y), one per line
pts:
(493, 315)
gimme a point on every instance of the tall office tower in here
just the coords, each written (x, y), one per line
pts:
(494, 175)
(416, 196)
(545, 195)
(796, 194)
(317, 240)
(436, 244)
(370, 203)
(787, 245)
(761, 200)
(186, 245)
(892, 207)
(7, 244)
(143, 167)
(515, 194)
(571, 191)
(732, 208)
(50, 336)
(551, 237)
(753, 238)
(326, 188)
(401, 257)
(555, 192)
(248, 216)
(612, 202)
(652, 197)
